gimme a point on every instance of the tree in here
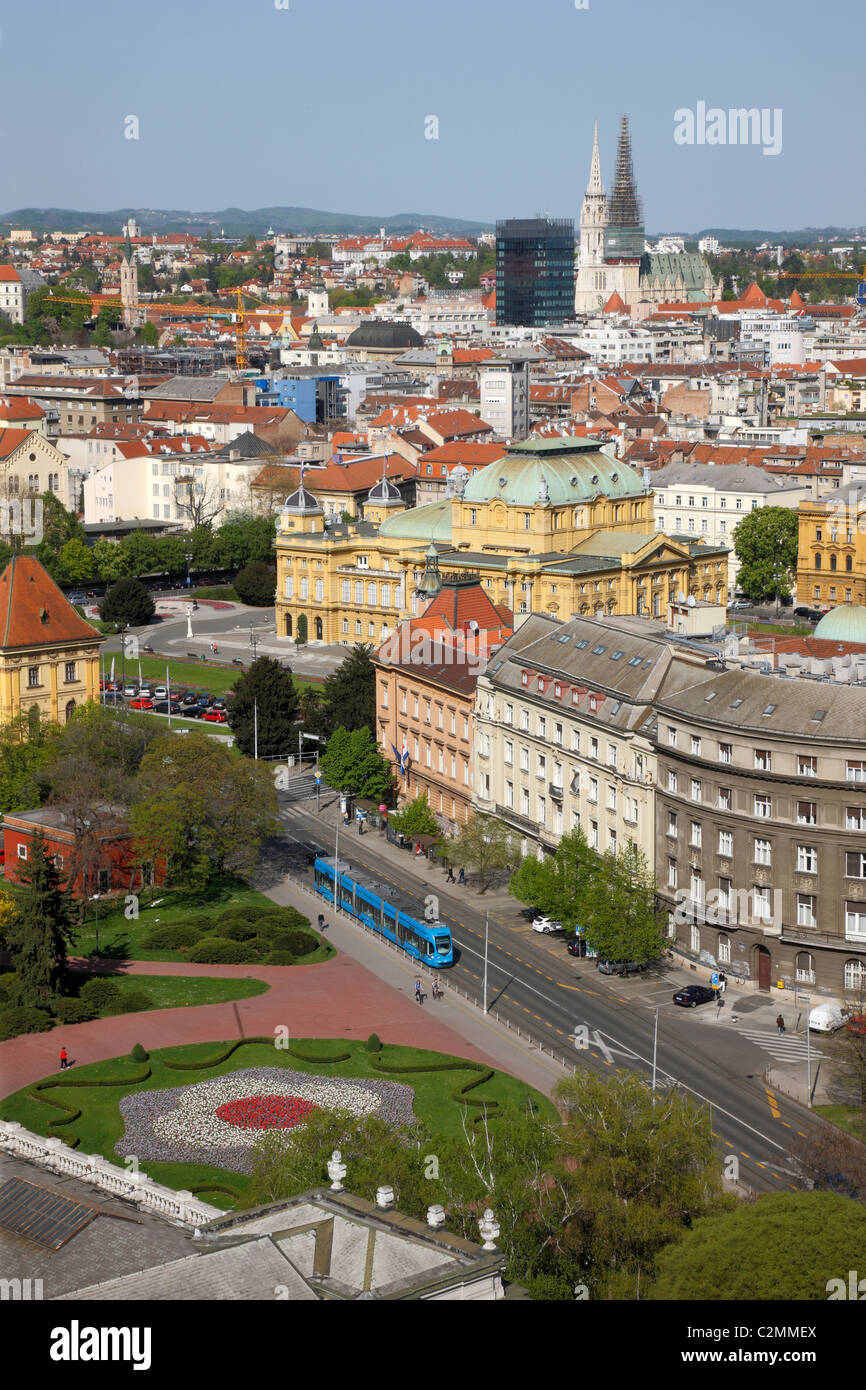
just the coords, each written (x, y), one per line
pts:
(26, 744)
(110, 560)
(800, 1243)
(127, 602)
(141, 551)
(201, 810)
(8, 913)
(39, 936)
(58, 527)
(352, 762)
(312, 712)
(301, 634)
(148, 333)
(621, 919)
(638, 1170)
(200, 503)
(560, 885)
(350, 692)
(847, 1063)
(263, 709)
(765, 543)
(75, 562)
(415, 818)
(484, 844)
(832, 1160)
(256, 584)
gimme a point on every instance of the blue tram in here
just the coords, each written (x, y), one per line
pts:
(361, 897)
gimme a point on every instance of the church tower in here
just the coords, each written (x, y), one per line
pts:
(129, 286)
(590, 287)
(317, 298)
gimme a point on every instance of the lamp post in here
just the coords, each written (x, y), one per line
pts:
(254, 641)
(486, 937)
(95, 899)
(188, 558)
(655, 1051)
(123, 658)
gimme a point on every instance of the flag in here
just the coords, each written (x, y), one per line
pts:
(404, 758)
(112, 670)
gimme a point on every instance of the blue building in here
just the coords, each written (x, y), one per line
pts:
(311, 394)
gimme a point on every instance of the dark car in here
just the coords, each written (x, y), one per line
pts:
(219, 703)
(692, 995)
(576, 946)
(812, 615)
(621, 967)
(192, 711)
(204, 701)
(167, 707)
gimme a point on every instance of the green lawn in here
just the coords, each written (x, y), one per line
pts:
(847, 1117)
(100, 1125)
(182, 991)
(203, 677)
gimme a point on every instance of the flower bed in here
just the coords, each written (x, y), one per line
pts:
(217, 1122)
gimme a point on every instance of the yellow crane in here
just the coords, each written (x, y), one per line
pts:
(830, 275)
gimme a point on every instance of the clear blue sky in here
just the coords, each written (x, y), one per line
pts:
(323, 105)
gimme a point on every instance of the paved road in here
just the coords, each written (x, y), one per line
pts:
(607, 1022)
(232, 627)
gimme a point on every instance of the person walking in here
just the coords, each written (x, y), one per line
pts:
(64, 1059)
(436, 988)
(418, 995)
(780, 1024)
(461, 877)
(449, 876)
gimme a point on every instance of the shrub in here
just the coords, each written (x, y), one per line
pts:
(239, 915)
(300, 943)
(374, 1043)
(128, 1001)
(170, 937)
(216, 950)
(8, 987)
(15, 1021)
(256, 584)
(74, 1010)
(279, 958)
(138, 1053)
(98, 992)
(239, 931)
(200, 921)
(127, 601)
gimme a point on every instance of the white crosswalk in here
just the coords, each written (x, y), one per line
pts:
(786, 1048)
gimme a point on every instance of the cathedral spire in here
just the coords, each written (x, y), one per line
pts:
(623, 204)
(595, 185)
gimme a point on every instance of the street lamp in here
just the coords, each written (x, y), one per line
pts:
(254, 641)
(188, 558)
(95, 899)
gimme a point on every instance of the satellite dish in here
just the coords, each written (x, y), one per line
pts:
(681, 598)
(691, 600)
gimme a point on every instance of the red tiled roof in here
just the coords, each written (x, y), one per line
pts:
(12, 439)
(19, 408)
(466, 451)
(27, 594)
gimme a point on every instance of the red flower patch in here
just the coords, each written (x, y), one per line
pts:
(265, 1112)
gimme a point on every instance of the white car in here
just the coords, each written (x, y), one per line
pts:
(545, 924)
(160, 692)
(738, 604)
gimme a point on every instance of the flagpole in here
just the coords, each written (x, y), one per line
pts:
(168, 694)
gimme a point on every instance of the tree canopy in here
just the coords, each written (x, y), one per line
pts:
(128, 602)
(765, 543)
(39, 936)
(256, 584)
(483, 844)
(352, 762)
(559, 885)
(350, 692)
(263, 708)
(415, 818)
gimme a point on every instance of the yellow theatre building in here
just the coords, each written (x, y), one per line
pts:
(49, 656)
(554, 526)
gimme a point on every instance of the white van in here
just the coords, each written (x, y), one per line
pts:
(826, 1018)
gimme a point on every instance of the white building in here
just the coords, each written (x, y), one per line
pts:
(176, 487)
(707, 501)
(504, 396)
(16, 286)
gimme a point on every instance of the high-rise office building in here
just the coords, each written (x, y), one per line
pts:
(534, 271)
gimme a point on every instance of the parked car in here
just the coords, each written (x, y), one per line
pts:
(143, 702)
(76, 598)
(620, 967)
(812, 615)
(159, 692)
(826, 1018)
(576, 946)
(215, 716)
(219, 703)
(692, 995)
(191, 711)
(545, 924)
(738, 604)
(166, 707)
(130, 690)
(204, 701)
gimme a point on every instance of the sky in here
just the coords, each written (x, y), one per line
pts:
(328, 104)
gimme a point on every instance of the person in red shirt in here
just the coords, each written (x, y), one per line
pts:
(64, 1060)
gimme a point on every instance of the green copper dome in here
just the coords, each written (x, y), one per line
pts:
(558, 471)
(847, 623)
(431, 522)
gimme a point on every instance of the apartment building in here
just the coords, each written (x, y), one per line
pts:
(761, 828)
(831, 557)
(16, 286)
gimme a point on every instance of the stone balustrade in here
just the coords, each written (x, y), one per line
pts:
(135, 1186)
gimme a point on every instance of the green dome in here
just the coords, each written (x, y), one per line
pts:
(847, 623)
(430, 522)
(560, 471)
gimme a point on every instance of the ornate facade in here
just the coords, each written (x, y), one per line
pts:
(49, 656)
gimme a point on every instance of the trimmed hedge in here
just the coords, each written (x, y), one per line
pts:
(460, 1096)
(138, 1054)
(279, 958)
(243, 1042)
(22, 1019)
(170, 937)
(99, 992)
(70, 1112)
(218, 950)
(74, 1010)
(374, 1043)
(238, 931)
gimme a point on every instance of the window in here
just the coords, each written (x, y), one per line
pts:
(524, 759)
(763, 759)
(593, 834)
(763, 852)
(806, 766)
(575, 740)
(672, 781)
(69, 670)
(855, 817)
(593, 789)
(806, 910)
(855, 864)
(726, 753)
(611, 798)
(557, 735)
(855, 771)
(509, 715)
(524, 720)
(542, 726)
(807, 813)
(541, 773)
(761, 903)
(672, 823)
(593, 748)
(807, 859)
(672, 873)
(855, 921)
(695, 834)
(724, 798)
(524, 801)
(695, 789)
(32, 676)
(726, 843)
(509, 794)
(22, 851)
(724, 949)
(696, 746)
(804, 968)
(672, 738)
(695, 939)
(763, 807)
(509, 751)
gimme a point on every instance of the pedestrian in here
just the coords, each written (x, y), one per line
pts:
(418, 995)
(64, 1060)
(461, 877)
(450, 875)
(780, 1024)
(321, 920)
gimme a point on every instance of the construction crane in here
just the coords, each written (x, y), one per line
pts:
(830, 275)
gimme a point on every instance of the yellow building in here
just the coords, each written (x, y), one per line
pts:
(49, 656)
(831, 558)
(555, 526)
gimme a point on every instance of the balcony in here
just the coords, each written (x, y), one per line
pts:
(555, 790)
(514, 818)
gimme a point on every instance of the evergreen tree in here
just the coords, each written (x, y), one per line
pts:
(128, 602)
(350, 693)
(42, 931)
(265, 698)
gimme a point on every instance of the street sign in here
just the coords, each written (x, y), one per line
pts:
(318, 778)
(714, 979)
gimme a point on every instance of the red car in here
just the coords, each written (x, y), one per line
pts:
(141, 703)
(215, 716)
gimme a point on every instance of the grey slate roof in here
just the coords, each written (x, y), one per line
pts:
(189, 388)
(727, 477)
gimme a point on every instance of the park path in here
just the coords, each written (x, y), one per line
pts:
(338, 998)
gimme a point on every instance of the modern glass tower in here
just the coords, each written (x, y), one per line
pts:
(534, 271)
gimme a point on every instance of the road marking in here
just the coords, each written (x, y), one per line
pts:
(774, 1107)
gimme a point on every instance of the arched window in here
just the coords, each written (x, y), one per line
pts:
(318, 629)
(832, 562)
(817, 562)
(805, 968)
(855, 975)
(849, 563)
(70, 709)
(288, 624)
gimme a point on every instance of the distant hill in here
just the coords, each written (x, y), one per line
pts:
(235, 221)
(737, 236)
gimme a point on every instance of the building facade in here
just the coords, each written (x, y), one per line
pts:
(49, 656)
(831, 557)
(534, 271)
